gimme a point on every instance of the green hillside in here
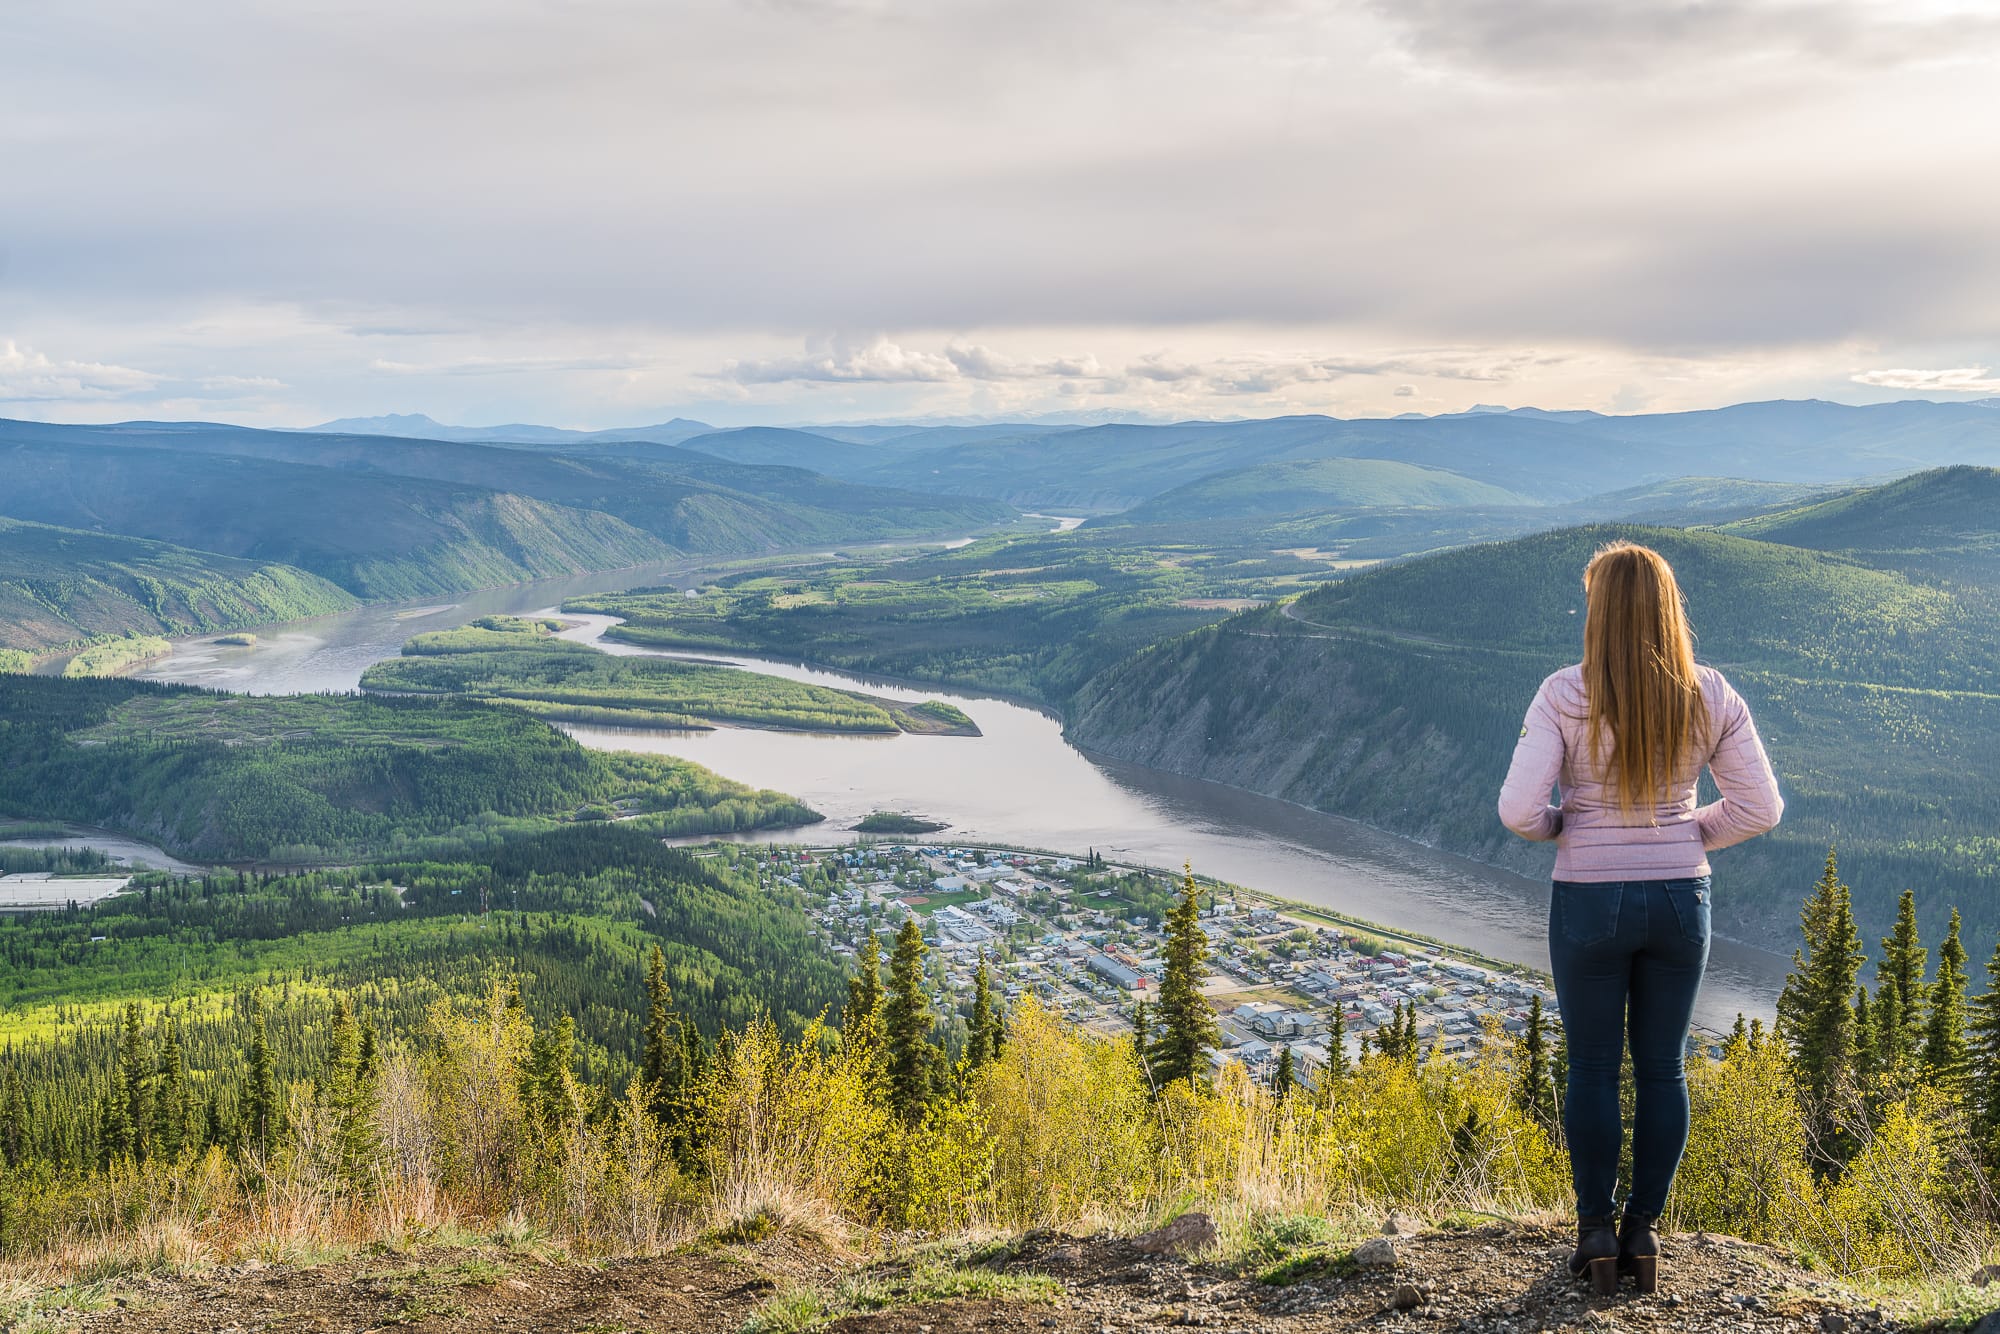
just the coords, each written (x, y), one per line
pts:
(315, 777)
(60, 586)
(1395, 695)
(1304, 486)
(1945, 522)
(377, 536)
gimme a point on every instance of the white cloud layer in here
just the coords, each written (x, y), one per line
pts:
(1958, 380)
(607, 209)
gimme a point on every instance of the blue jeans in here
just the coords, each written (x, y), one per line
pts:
(1628, 959)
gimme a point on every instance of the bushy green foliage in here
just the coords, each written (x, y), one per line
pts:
(309, 778)
(114, 655)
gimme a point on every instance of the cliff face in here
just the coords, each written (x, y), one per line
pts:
(1414, 746)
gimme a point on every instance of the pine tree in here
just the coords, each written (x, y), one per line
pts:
(171, 1108)
(14, 1118)
(1985, 1060)
(655, 1065)
(1815, 1015)
(550, 1089)
(260, 1093)
(1900, 992)
(1336, 1044)
(861, 1020)
(1738, 1040)
(1281, 1083)
(1188, 1031)
(1533, 1093)
(1945, 1056)
(1142, 1036)
(906, 1025)
(981, 1044)
(131, 1089)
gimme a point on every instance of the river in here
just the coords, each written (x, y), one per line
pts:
(1019, 783)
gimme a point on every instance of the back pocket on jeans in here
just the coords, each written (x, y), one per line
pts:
(1585, 914)
(1691, 905)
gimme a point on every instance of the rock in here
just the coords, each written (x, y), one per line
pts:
(1376, 1253)
(1400, 1225)
(1189, 1232)
(1409, 1296)
(1990, 1325)
(1985, 1274)
(1832, 1322)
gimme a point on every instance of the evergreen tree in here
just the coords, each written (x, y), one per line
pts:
(14, 1126)
(1945, 1056)
(655, 1066)
(1815, 1015)
(128, 1135)
(1985, 1060)
(172, 1110)
(1738, 1040)
(550, 1089)
(861, 1020)
(1900, 992)
(1336, 1044)
(1188, 1032)
(1534, 1093)
(982, 1038)
(1281, 1082)
(1868, 1040)
(261, 1111)
(1142, 1036)
(906, 1025)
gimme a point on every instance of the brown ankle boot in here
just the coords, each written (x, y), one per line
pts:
(1596, 1254)
(1639, 1250)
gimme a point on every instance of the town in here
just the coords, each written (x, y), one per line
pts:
(1084, 936)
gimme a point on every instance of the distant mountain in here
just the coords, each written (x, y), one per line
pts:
(1550, 457)
(778, 446)
(1395, 696)
(392, 516)
(416, 426)
(1945, 522)
(59, 585)
(1272, 490)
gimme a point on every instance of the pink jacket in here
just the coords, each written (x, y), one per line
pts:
(1595, 842)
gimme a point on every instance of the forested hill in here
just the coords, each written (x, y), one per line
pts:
(1395, 696)
(1945, 522)
(309, 778)
(391, 518)
(59, 586)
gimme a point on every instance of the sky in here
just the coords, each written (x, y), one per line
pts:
(599, 213)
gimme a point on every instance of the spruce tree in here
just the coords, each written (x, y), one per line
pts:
(1738, 1040)
(1281, 1082)
(1533, 1092)
(1945, 1056)
(1142, 1036)
(260, 1092)
(1815, 1014)
(906, 1025)
(14, 1126)
(981, 1043)
(171, 1108)
(861, 1019)
(132, 1087)
(1336, 1044)
(1188, 1031)
(656, 1064)
(1900, 992)
(1985, 1060)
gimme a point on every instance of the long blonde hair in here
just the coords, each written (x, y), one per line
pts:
(1638, 672)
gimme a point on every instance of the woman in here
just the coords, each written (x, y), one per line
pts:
(1626, 734)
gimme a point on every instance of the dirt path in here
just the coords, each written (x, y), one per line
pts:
(1494, 1280)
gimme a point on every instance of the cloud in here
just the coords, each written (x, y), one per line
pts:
(876, 361)
(485, 365)
(977, 362)
(227, 385)
(1958, 380)
(28, 376)
(1609, 40)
